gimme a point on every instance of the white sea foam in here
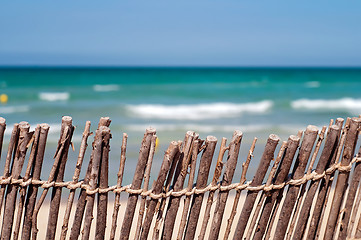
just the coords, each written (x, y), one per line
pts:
(198, 111)
(54, 96)
(313, 84)
(13, 109)
(348, 104)
(106, 88)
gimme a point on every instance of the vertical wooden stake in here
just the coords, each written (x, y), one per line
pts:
(145, 186)
(293, 190)
(2, 131)
(180, 176)
(83, 147)
(238, 192)
(119, 184)
(137, 182)
(328, 151)
(325, 184)
(272, 196)
(232, 158)
(101, 140)
(80, 208)
(169, 158)
(26, 177)
(267, 156)
(202, 178)
(33, 189)
(342, 178)
(11, 153)
(216, 175)
(10, 198)
(59, 175)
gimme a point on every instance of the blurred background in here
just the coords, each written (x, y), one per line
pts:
(209, 66)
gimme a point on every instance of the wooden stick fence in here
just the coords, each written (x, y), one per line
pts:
(279, 203)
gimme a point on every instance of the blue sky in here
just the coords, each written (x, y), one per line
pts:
(180, 33)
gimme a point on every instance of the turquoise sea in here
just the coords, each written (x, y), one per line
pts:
(210, 101)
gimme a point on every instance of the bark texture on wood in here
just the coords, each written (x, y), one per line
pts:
(33, 189)
(119, 184)
(169, 158)
(80, 208)
(329, 150)
(342, 178)
(145, 186)
(293, 190)
(232, 159)
(10, 154)
(101, 145)
(2, 131)
(202, 177)
(192, 170)
(137, 183)
(238, 192)
(59, 176)
(83, 147)
(216, 175)
(265, 161)
(11, 192)
(102, 184)
(160, 207)
(271, 176)
(26, 177)
(325, 184)
(179, 178)
(281, 176)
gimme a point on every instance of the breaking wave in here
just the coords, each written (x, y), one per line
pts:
(198, 111)
(348, 104)
(54, 96)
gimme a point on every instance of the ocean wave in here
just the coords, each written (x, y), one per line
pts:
(209, 128)
(313, 84)
(54, 96)
(198, 111)
(333, 104)
(13, 109)
(106, 88)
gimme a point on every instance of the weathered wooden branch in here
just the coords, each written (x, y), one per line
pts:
(169, 158)
(10, 154)
(281, 176)
(216, 175)
(325, 184)
(342, 178)
(179, 178)
(11, 192)
(293, 190)
(2, 131)
(119, 184)
(33, 189)
(26, 177)
(232, 158)
(329, 149)
(83, 147)
(80, 208)
(245, 166)
(101, 145)
(192, 170)
(58, 177)
(145, 186)
(202, 177)
(265, 161)
(264, 194)
(137, 183)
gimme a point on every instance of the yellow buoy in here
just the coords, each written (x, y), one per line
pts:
(4, 98)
